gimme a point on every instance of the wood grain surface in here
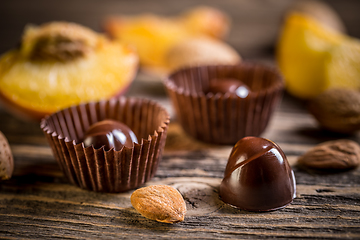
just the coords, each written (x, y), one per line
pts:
(38, 202)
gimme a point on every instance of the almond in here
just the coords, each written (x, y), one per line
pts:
(6, 159)
(337, 110)
(159, 202)
(332, 155)
(201, 51)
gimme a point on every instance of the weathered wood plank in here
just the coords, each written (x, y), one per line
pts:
(39, 202)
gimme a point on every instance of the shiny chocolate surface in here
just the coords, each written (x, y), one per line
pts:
(228, 85)
(258, 176)
(110, 134)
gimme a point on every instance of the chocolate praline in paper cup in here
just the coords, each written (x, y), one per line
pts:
(98, 169)
(224, 118)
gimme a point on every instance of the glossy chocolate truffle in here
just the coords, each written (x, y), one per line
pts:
(258, 176)
(228, 85)
(110, 134)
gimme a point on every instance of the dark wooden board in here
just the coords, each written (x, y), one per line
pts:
(39, 202)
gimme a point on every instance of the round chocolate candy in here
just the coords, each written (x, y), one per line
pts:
(228, 85)
(110, 134)
(258, 176)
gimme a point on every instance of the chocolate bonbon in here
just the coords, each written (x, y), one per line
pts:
(223, 103)
(108, 171)
(258, 176)
(228, 85)
(110, 134)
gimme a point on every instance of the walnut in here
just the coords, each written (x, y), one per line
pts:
(334, 155)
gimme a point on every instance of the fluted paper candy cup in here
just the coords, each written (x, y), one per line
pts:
(224, 118)
(98, 169)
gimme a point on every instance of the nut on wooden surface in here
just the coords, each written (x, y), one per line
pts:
(337, 110)
(6, 159)
(201, 51)
(159, 202)
(334, 155)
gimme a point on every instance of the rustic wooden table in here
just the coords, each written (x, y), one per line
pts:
(39, 202)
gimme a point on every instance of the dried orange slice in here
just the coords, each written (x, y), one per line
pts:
(154, 35)
(61, 64)
(301, 52)
(342, 65)
(150, 34)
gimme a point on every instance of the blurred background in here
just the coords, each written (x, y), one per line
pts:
(255, 24)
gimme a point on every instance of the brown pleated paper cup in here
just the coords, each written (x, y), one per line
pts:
(108, 171)
(224, 118)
